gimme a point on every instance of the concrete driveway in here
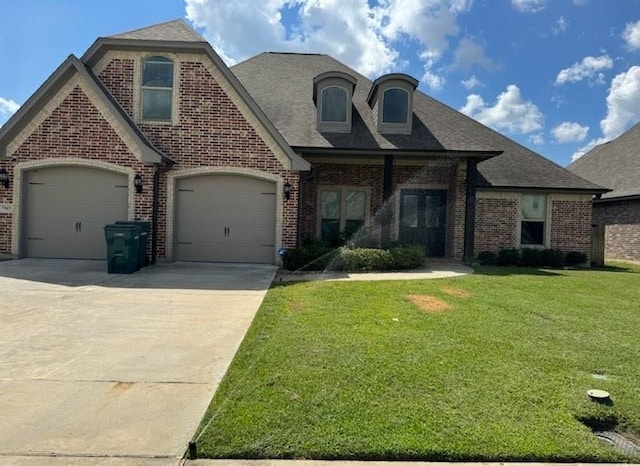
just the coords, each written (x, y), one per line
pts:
(115, 366)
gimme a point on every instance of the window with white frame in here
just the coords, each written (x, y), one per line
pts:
(533, 218)
(157, 89)
(342, 212)
(334, 104)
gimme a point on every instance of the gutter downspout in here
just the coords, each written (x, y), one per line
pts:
(470, 211)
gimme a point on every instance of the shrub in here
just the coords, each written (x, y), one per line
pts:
(508, 257)
(531, 257)
(487, 258)
(364, 259)
(409, 257)
(552, 258)
(313, 256)
(575, 258)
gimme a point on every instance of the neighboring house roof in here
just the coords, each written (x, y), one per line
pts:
(282, 84)
(615, 164)
(71, 66)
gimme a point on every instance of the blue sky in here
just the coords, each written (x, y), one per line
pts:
(555, 75)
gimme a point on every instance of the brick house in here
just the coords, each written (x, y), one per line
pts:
(233, 164)
(616, 165)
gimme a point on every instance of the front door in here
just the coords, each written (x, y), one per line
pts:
(423, 214)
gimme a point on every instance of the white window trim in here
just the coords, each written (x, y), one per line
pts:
(343, 205)
(137, 96)
(395, 128)
(547, 223)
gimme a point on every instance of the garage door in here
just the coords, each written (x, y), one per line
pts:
(225, 218)
(66, 209)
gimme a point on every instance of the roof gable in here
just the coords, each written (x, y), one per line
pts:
(173, 31)
(71, 67)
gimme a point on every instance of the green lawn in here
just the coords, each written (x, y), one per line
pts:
(492, 366)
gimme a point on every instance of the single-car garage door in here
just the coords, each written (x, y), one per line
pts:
(225, 218)
(66, 209)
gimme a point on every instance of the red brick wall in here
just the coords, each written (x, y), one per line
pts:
(571, 226)
(496, 224)
(622, 228)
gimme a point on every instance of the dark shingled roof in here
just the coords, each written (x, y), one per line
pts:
(282, 85)
(172, 31)
(615, 165)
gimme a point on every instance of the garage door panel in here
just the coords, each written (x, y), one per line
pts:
(225, 218)
(67, 208)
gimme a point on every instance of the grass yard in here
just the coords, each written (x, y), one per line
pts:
(494, 366)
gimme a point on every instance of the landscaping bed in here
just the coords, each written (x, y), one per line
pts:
(494, 366)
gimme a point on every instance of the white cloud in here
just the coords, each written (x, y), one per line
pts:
(509, 113)
(631, 35)
(561, 26)
(435, 81)
(537, 139)
(588, 68)
(623, 103)
(470, 53)
(361, 35)
(623, 109)
(7, 108)
(528, 6)
(569, 131)
(471, 83)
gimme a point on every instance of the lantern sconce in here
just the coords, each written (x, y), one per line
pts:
(137, 182)
(287, 190)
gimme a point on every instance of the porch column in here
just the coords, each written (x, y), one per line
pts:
(387, 192)
(470, 210)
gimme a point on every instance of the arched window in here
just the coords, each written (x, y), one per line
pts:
(157, 88)
(334, 104)
(395, 106)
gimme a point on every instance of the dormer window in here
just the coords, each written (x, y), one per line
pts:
(332, 94)
(334, 104)
(395, 106)
(391, 98)
(157, 89)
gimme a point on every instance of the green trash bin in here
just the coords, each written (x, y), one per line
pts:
(122, 248)
(144, 235)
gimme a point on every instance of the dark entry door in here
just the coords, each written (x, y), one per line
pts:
(423, 214)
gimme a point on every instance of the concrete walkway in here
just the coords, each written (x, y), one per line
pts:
(433, 269)
(115, 369)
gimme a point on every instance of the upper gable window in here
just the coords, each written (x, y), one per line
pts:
(157, 89)
(332, 94)
(391, 100)
(395, 106)
(334, 104)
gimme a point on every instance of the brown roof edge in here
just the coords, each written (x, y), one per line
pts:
(484, 187)
(631, 197)
(481, 155)
(96, 50)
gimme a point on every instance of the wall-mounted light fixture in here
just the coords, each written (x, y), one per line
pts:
(287, 190)
(137, 182)
(4, 178)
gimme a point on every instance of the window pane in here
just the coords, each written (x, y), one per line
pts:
(532, 233)
(156, 104)
(330, 204)
(330, 231)
(157, 72)
(533, 207)
(433, 211)
(334, 104)
(351, 226)
(355, 205)
(395, 106)
(410, 211)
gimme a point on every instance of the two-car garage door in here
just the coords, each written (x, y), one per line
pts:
(225, 218)
(66, 208)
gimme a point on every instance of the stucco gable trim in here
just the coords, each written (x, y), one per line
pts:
(49, 96)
